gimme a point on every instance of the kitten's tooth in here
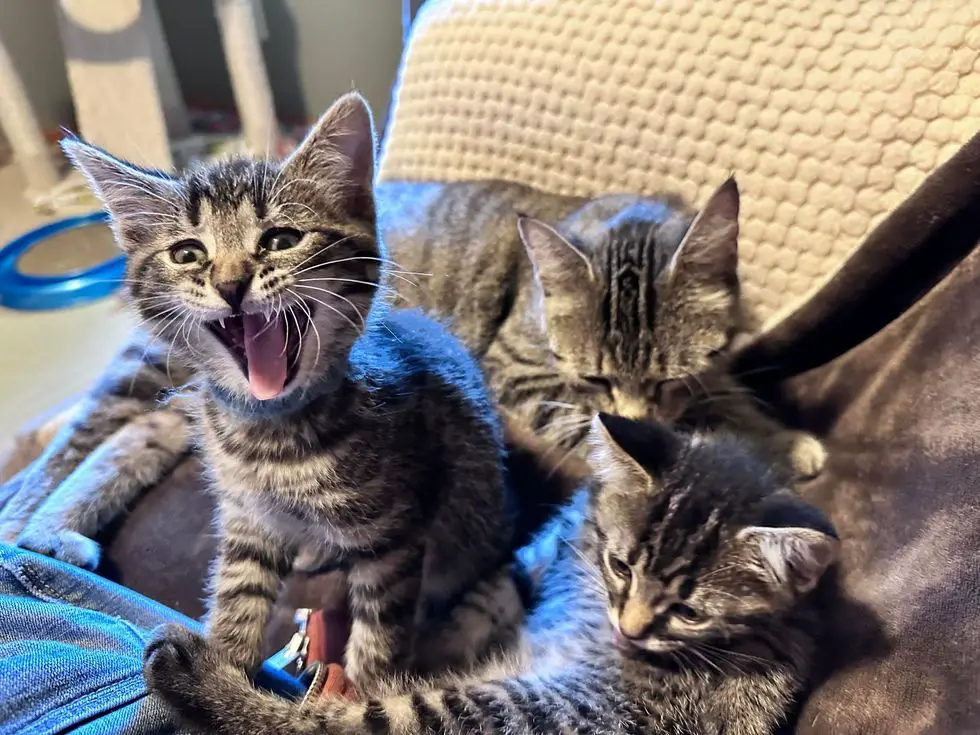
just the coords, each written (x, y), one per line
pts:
(222, 322)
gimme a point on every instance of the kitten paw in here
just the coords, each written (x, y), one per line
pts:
(70, 547)
(806, 453)
(176, 664)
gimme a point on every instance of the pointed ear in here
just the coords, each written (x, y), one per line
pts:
(130, 194)
(610, 462)
(624, 452)
(709, 250)
(791, 557)
(558, 264)
(339, 151)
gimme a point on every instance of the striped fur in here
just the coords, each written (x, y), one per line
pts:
(127, 434)
(379, 454)
(627, 305)
(737, 670)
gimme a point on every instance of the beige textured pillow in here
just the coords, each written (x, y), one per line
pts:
(830, 112)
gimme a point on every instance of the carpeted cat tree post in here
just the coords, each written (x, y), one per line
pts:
(123, 83)
(22, 131)
(242, 28)
(122, 79)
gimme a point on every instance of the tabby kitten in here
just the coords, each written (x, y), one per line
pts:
(126, 435)
(338, 435)
(627, 305)
(678, 601)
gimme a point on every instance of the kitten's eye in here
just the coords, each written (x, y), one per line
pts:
(686, 613)
(187, 252)
(620, 568)
(279, 238)
(599, 383)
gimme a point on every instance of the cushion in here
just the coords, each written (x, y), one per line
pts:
(830, 112)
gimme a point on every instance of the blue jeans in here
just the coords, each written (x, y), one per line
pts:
(71, 652)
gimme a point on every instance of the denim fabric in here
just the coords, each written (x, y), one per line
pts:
(71, 652)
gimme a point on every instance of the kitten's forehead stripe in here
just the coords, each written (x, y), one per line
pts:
(631, 261)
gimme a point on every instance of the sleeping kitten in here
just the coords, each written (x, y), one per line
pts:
(338, 435)
(627, 305)
(124, 437)
(679, 600)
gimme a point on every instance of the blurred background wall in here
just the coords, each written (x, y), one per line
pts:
(314, 51)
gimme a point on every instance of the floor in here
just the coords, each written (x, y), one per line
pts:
(47, 356)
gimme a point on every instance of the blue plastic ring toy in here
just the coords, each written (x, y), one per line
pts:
(36, 293)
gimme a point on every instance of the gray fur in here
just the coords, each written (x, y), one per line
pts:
(125, 437)
(621, 304)
(377, 451)
(721, 616)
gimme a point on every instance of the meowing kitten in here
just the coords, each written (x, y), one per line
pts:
(124, 437)
(338, 434)
(678, 601)
(627, 305)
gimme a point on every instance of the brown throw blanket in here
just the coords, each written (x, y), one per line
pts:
(883, 364)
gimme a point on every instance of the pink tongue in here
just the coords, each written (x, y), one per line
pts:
(265, 348)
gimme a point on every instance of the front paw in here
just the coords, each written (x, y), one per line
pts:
(806, 453)
(67, 546)
(176, 664)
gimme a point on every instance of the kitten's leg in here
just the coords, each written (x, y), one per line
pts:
(749, 706)
(487, 620)
(134, 458)
(384, 601)
(219, 699)
(735, 410)
(244, 586)
(93, 422)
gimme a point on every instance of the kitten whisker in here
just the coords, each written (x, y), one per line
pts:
(324, 249)
(344, 280)
(560, 462)
(308, 208)
(739, 654)
(114, 183)
(316, 333)
(285, 318)
(694, 650)
(292, 181)
(337, 295)
(588, 569)
(577, 419)
(383, 261)
(715, 572)
(173, 341)
(323, 303)
(560, 404)
(195, 324)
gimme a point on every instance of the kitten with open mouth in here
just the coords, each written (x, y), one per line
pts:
(333, 427)
(260, 273)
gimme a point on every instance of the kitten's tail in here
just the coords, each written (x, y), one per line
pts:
(582, 697)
